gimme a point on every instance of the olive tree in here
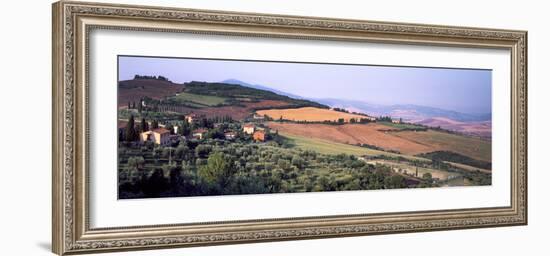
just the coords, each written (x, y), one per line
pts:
(218, 169)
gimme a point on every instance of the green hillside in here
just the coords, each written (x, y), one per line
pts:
(237, 93)
(197, 99)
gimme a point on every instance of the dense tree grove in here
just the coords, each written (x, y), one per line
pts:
(440, 156)
(162, 78)
(219, 167)
(384, 119)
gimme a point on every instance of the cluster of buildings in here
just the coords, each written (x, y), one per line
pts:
(258, 134)
(163, 136)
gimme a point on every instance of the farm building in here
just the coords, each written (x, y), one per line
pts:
(230, 135)
(258, 117)
(259, 136)
(199, 133)
(191, 117)
(159, 136)
(249, 128)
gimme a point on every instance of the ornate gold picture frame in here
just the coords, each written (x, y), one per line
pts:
(74, 21)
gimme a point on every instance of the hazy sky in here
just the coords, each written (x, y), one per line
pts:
(463, 90)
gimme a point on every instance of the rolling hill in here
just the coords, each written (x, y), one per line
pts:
(203, 98)
(481, 128)
(261, 87)
(305, 119)
(239, 99)
(467, 123)
(379, 135)
(135, 89)
(478, 124)
(237, 92)
(408, 112)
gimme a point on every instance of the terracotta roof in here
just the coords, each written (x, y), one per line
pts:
(161, 130)
(249, 126)
(201, 130)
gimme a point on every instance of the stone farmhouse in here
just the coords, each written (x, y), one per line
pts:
(159, 136)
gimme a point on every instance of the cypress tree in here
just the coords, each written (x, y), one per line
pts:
(131, 134)
(144, 125)
(185, 128)
(154, 124)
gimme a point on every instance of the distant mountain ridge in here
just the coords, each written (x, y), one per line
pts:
(409, 112)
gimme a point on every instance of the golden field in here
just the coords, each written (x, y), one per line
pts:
(376, 134)
(308, 114)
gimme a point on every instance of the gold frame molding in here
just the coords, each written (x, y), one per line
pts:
(72, 22)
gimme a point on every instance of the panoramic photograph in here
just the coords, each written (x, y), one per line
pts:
(212, 127)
